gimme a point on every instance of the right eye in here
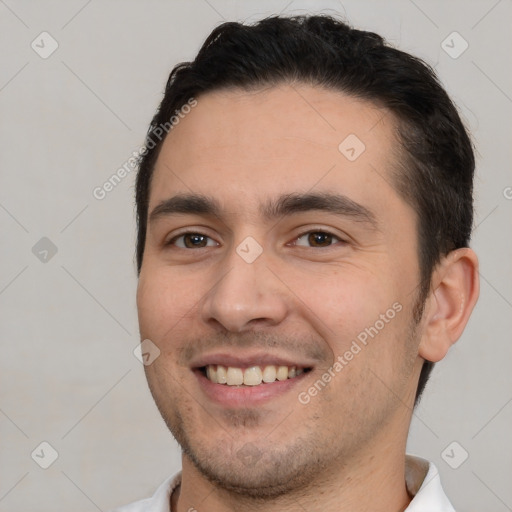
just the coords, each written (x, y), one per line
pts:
(191, 240)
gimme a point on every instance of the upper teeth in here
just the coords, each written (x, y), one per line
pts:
(251, 376)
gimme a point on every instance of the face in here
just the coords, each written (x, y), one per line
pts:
(295, 262)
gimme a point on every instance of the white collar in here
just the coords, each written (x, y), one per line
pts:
(423, 482)
(421, 477)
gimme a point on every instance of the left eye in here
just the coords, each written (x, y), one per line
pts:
(191, 241)
(317, 239)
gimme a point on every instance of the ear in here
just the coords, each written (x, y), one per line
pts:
(454, 292)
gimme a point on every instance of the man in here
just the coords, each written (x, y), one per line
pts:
(304, 214)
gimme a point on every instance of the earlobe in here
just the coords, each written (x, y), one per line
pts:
(454, 292)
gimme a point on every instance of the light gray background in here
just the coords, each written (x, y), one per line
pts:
(68, 325)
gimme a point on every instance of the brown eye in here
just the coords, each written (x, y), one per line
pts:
(317, 239)
(191, 241)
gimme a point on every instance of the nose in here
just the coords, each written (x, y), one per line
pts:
(247, 294)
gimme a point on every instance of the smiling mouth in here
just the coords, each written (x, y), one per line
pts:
(250, 376)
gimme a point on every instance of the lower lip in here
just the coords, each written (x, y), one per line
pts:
(244, 396)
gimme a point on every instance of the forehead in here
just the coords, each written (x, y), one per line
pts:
(247, 145)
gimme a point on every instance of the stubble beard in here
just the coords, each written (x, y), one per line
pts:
(265, 471)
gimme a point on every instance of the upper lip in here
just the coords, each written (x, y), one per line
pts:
(246, 360)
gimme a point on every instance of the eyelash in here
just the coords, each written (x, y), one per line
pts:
(172, 241)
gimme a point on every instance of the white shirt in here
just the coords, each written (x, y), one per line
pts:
(421, 477)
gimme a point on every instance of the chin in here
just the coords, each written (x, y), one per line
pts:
(255, 470)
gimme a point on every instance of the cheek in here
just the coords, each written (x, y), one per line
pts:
(163, 297)
(346, 301)
(362, 318)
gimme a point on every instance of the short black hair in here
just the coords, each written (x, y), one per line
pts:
(436, 160)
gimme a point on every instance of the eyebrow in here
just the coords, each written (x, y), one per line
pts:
(284, 205)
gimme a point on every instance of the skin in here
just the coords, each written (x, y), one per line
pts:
(299, 299)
